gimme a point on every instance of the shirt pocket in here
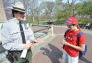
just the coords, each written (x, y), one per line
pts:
(15, 35)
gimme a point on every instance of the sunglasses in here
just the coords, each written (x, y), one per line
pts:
(21, 13)
(70, 25)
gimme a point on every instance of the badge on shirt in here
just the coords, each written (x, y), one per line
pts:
(26, 26)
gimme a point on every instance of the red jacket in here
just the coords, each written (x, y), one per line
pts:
(72, 38)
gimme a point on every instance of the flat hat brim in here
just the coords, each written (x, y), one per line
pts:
(19, 9)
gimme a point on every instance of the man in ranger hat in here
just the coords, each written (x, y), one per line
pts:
(15, 35)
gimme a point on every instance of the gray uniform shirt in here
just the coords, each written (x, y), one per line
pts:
(11, 35)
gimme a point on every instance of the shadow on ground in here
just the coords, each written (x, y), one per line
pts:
(85, 60)
(54, 54)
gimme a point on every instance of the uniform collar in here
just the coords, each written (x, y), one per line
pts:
(14, 20)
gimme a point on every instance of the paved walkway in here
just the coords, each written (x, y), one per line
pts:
(52, 53)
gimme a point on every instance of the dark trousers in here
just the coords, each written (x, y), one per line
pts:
(14, 57)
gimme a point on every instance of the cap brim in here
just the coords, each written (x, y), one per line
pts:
(67, 23)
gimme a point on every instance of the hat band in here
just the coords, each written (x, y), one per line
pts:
(18, 9)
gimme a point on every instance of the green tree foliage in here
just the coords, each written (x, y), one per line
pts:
(85, 20)
(85, 8)
(64, 10)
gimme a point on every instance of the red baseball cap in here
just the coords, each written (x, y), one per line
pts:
(72, 20)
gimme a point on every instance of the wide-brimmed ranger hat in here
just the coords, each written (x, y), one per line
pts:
(19, 7)
(72, 20)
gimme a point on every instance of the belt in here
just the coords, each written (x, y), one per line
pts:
(15, 51)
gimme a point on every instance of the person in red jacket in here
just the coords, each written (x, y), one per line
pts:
(72, 45)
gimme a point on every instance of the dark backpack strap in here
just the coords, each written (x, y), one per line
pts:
(81, 52)
(80, 34)
(66, 33)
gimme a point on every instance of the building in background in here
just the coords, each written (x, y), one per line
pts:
(2, 12)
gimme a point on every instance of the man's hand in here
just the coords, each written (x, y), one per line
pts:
(27, 46)
(39, 40)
